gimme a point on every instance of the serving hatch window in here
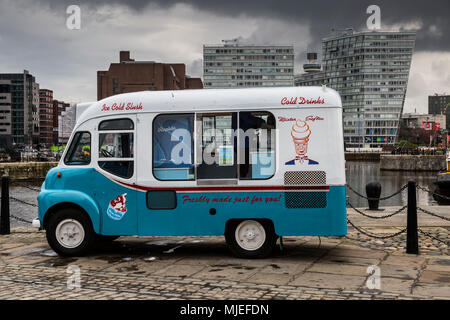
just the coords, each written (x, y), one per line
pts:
(116, 147)
(212, 146)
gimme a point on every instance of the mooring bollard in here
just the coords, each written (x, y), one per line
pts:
(412, 238)
(4, 214)
(373, 190)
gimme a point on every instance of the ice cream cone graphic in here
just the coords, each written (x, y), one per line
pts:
(300, 133)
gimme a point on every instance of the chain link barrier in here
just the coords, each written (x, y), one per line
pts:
(433, 193)
(433, 214)
(380, 199)
(371, 235)
(378, 217)
(376, 236)
(434, 238)
(20, 219)
(30, 188)
(24, 202)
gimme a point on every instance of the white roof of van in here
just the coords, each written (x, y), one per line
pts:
(212, 99)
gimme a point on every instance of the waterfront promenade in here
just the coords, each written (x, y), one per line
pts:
(203, 268)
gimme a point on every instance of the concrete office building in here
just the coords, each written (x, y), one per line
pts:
(66, 123)
(370, 70)
(440, 104)
(235, 65)
(130, 76)
(58, 108)
(19, 103)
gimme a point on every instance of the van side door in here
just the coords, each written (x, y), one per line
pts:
(116, 167)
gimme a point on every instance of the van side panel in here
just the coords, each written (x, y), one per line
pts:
(192, 215)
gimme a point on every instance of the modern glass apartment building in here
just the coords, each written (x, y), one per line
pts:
(370, 70)
(232, 65)
(19, 102)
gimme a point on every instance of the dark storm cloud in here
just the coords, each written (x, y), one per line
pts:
(321, 15)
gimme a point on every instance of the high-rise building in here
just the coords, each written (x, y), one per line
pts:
(235, 65)
(66, 123)
(58, 108)
(19, 102)
(131, 76)
(46, 117)
(370, 70)
(440, 104)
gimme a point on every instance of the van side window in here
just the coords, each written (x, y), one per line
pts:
(79, 152)
(256, 145)
(173, 147)
(116, 149)
(116, 124)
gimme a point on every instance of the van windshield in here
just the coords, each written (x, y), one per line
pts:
(79, 152)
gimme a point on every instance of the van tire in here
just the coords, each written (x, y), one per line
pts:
(250, 239)
(80, 238)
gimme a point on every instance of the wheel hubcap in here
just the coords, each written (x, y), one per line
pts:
(250, 235)
(70, 233)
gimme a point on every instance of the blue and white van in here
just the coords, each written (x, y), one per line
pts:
(250, 164)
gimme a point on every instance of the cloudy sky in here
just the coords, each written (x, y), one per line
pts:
(34, 36)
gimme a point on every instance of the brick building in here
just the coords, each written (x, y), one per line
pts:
(130, 76)
(46, 117)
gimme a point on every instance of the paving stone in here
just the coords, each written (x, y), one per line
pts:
(333, 258)
(437, 277)
(326, 280)
(432, 290)
(339, 269)
(351, 251)
(401, 272)
(404, 260)
(179, 270)
(270, 278)
(229, 273)
(396, 285)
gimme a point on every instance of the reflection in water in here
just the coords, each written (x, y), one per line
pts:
(360, 173)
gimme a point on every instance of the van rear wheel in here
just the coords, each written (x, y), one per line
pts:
(252, 239)
(70, 233)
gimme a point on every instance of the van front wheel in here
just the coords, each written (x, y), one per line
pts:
(70, 232)
(250, 238)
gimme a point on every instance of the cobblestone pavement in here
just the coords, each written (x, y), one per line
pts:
(203, 268)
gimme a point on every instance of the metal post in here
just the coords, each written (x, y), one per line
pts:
(412, 242)
(4, 214)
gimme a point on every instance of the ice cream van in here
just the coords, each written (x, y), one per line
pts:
(252, 165)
